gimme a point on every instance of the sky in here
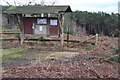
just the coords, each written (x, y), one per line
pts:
(81, 5)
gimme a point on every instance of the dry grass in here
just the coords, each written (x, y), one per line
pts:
(58, 55)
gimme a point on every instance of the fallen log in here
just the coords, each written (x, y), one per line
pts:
(83, 41)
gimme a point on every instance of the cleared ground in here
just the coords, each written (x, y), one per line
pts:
(49, 60)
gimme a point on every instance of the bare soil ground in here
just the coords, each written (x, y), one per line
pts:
(30, 60)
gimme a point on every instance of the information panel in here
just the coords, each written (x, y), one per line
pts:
(41, 21)
(53, 22)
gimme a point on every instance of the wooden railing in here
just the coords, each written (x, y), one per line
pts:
(41, 40)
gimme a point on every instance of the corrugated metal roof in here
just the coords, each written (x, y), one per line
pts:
(37, 9)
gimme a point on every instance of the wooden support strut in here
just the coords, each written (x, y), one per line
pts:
(20, 24)
(96, 41)
(61, 22)
(96, 37)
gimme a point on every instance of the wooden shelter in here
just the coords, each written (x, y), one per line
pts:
(39, 20)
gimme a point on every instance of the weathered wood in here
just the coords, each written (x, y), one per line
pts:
(33, 40)
(19, 20)
(68, 35)
(9, 32)
(9, 39)
(22, 38)
(96, 41)
(61, 22)
(84, 41)
(51, 40)
(62, 30)
(62, 37)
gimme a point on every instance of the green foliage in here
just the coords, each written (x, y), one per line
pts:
(47, 44)
(6, 26)
(51, 44)
(15, 55)
(44, 43)
(115, 58)
(12, 8)
(70, 32)
(17, 36)
(101, 22)
(115, 50)
(6, 52)
(41, 39)
(90, 47)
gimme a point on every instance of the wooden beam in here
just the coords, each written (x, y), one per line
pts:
(19, 20)
(96, 41)
(9, 39)
(84, 41)
(62, 36)
(9, 32)
(41, 40)
(61, 22)
(67, 35)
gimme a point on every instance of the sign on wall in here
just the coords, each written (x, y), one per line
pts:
(53, 22)
(41, 21)
(40, 28)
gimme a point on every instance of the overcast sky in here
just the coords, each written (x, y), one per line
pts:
(82, 5)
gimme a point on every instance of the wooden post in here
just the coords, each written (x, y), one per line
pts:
(61, 23)
(22, 37)
(19, 20)
(22, 31)
(96, 41)
(1, 42)
(67, 35)
(62, 30)
(62, 36)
